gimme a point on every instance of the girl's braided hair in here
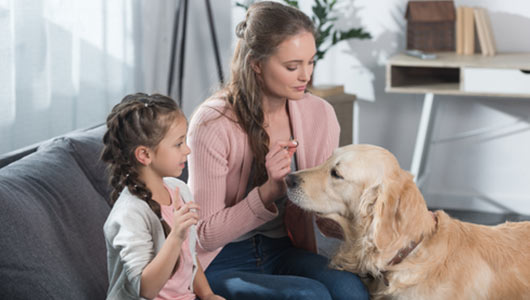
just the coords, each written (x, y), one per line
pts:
(138, 120)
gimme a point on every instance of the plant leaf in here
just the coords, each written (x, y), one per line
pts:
(239, 4)
(354, 33)
(293, 3)
(319, 11)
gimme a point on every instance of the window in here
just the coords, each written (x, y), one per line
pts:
(64, 64)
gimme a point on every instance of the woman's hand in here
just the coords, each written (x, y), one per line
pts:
(183, 217)
(278, 165)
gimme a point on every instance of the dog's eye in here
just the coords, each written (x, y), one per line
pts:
(335, 174)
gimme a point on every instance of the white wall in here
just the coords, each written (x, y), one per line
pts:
(492, 167)
(200, 69)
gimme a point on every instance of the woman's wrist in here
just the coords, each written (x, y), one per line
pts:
(267, 196)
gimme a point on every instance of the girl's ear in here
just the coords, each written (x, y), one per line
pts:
(143, 155)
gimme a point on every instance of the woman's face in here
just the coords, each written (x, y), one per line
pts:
(286, 73)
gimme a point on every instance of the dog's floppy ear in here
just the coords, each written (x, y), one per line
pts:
(386, 213)
(401, 211)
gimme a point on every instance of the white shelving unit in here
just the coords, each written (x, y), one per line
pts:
(503, 75)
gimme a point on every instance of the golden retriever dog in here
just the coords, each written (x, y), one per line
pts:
(400, 248)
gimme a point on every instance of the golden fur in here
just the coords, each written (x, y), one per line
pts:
(381, 211)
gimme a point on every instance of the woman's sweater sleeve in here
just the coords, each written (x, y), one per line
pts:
(211, 146)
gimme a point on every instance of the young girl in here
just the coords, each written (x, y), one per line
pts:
(150, 232)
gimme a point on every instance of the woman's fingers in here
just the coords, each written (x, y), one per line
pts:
(278, 160)
(279, 170)
(288, 146)
(292, 148)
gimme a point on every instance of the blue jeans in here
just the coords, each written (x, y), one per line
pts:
(267, 268)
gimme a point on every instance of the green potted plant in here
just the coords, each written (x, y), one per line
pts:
(324, 19)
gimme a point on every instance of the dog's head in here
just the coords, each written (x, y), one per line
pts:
(363, 188)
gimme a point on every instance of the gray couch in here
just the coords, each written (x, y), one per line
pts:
(53, 206)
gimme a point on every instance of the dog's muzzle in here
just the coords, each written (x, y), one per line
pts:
(294, 190)
(292, 181)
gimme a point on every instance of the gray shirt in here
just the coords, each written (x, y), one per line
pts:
(275, 228)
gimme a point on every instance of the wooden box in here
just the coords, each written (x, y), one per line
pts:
(431, 25)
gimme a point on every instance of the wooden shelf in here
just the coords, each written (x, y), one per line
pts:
(453, 60)
(445, 75)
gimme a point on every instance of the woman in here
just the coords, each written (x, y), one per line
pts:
(245, 140)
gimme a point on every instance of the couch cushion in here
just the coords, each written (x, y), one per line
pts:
(52, 215)
(87, 147)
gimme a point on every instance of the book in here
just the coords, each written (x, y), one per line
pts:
(469, 31)
(481, 31)
(492, 50)
(459, 30)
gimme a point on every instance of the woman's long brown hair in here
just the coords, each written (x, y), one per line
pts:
(267, 24)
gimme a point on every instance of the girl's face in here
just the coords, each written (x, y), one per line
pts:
(169, 157)
(286, 73)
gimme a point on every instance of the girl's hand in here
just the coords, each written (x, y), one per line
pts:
(278, 165)
(213, 297)
(183, 217)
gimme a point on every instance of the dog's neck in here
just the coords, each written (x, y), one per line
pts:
(404, 252)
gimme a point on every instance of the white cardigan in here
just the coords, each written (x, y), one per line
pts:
(134, 235)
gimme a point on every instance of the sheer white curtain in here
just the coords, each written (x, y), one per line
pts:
(65, 63)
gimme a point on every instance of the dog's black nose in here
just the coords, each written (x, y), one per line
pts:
(292, 181)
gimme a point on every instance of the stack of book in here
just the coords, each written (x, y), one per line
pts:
(473, 22)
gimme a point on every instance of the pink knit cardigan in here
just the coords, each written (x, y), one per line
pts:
(220, 163)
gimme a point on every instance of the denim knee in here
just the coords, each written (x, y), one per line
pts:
(310, 290)
(348, 286)
(272, 288)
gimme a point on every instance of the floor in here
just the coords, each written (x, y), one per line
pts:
(484, 217)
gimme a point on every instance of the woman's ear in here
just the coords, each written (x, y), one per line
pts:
(256, 66)
(143, 155)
